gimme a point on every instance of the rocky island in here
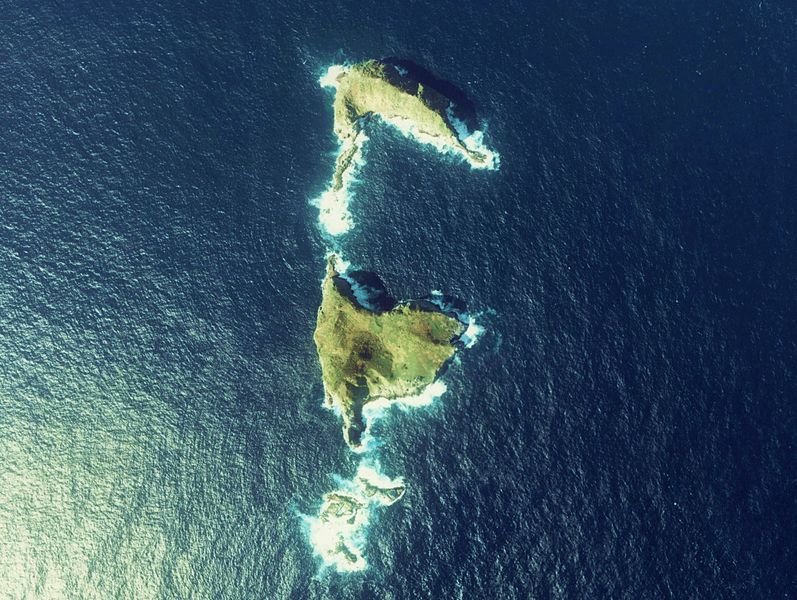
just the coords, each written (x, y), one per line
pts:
(408, 97)
(375, 351)
(368, 355)
(338, 531)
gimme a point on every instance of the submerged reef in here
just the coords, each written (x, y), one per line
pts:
(369, 355)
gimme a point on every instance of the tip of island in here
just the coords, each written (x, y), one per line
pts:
(369, 356)
(407, 97)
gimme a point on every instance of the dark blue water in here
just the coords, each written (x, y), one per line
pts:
(625, 428)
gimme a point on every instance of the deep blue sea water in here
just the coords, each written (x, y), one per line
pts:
(624, 429)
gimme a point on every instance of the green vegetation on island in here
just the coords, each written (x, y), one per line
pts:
(367, 355)
(376, 87)
(386, 89)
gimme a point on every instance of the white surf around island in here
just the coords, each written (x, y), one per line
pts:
(334, 216)
(473, 140)
(333, 204)
(380, 408)
(339, 533)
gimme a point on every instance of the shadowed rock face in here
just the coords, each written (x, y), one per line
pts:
(408, 97)
(379, 299)
(462, 107)
(399, 91)
(367, 355)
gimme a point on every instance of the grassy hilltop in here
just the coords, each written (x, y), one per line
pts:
(383, 88)
(375, 87)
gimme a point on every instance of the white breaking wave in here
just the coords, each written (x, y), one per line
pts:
(473, 142)
(338, 533)
(379, 408)
(473, 332)
(376, 408)
(333, 205)
(334, 215)
(341, 264)
(330, 78)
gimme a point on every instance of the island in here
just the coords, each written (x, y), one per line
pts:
(374, 351)
(338, 532)
(369, 355)
(402, 94)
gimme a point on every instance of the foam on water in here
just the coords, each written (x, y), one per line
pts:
(376, 409)
(380, 407)
(333, 204)
(334, 216)
(330, 78)
(473, 330)
(341, 264)
(473, 141)
(472, 333)
(339, 532)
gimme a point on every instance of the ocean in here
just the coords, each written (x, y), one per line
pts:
(624, 427)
